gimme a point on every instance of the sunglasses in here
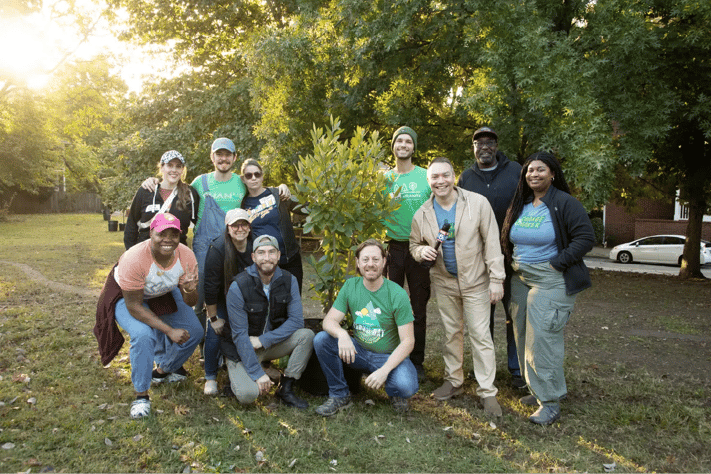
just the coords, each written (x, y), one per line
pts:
(256, 174)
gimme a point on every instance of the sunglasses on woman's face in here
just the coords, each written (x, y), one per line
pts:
(256, 174)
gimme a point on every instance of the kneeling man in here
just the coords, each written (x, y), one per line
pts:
(266, 322)
(383, 335)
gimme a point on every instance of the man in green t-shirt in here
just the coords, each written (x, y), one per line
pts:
(411, 180)
(382, 340)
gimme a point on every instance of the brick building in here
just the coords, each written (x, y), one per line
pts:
(651, 217)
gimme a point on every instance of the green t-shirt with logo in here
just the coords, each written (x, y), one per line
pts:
(376, 314)
(413, 193)
(228, 194)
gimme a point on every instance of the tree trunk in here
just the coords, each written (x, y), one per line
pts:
(691, 263)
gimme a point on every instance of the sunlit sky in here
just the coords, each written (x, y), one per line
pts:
(31, 46)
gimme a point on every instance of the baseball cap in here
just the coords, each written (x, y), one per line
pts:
(168, 156)
(223, 143)
(263, 241)
(485, 131)
(163, 221)
(234, 215)
(404, 130)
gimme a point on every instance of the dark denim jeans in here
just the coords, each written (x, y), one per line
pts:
(401, 382)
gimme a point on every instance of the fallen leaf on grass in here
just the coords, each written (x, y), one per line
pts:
(32, 462)
(259, 456)
(32, 400)
(447, 428)
(8, 446)
(370, 402)
(291, 464)
(138, 437)
(181, 410)
(334, 462)
(21, 378)
(237, 448)
(492, 425)
(609, 467)
(407, 439)
(108, 442)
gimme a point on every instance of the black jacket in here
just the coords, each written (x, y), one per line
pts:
(574, 236)
(497, 186)
(286, 228)
(214, 282)
(146, 204)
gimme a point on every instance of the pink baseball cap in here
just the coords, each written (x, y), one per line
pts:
(163, 221)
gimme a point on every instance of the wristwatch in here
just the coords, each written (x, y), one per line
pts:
(213, 318)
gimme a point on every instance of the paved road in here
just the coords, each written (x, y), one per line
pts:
(607, 264)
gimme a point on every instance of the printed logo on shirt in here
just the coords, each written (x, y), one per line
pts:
(153, 208)
(266, 204)
(367, 326)
(530, 222)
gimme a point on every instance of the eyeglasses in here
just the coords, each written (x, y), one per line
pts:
(240, 225)
(485, 143)
(256, 174)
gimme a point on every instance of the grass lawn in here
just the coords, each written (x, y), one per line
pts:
(634, 401)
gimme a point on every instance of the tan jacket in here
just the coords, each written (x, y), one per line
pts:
(477, 247)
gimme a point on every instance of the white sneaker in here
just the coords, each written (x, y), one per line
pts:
(210, 387)
(140, 408)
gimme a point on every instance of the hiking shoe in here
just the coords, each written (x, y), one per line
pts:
(545, 415)
(529, 400)
(140, 407)
(517, 381)
(400, 404)
(210, 387)
(333, 405)
(491, 406)
(447, 391)
(177, 376)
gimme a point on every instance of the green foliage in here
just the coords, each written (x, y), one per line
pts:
(599, 229)
(343, 188)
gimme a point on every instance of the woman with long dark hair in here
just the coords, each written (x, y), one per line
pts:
(545, 235)
(227, 255)
(271, 216)
(171, 195)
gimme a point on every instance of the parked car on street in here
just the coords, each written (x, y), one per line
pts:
(657, 249)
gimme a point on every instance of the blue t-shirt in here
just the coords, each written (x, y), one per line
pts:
(533, 235)
(264, 213)
(448, 253)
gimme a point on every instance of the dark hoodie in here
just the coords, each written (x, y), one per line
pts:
(497, 186)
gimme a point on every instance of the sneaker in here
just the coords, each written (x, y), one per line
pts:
(210, 387)
(545, 415)
(333, 405)
(400, 404)
(491, 406)
(140, 407)
(518, 382)
(447, 391)
(529, 400)
(177, 376)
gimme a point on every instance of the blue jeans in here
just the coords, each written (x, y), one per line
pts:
(148, 344)
(212, 345)
(514, 368)
(401, 381)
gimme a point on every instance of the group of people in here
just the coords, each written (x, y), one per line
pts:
(505, 232)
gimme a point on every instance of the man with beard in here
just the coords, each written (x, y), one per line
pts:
(411, 181)
(495, 177)
(468, 278)
(265, 322)
(220, 192)
(383, 335)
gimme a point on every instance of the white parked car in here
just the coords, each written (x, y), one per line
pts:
(657, 249)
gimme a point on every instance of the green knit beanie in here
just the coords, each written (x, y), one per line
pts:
(406, 130)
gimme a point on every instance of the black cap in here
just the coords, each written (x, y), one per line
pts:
(485, 131)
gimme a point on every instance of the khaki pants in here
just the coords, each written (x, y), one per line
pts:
(473, 310)
(298, 347)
